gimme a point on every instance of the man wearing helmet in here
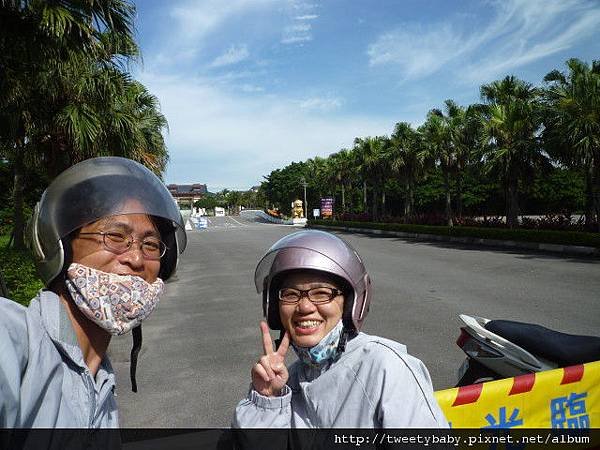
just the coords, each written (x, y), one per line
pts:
(316, 291)
(106, 234)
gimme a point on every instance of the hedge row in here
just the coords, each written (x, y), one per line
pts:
(18, 270)
(537, 236)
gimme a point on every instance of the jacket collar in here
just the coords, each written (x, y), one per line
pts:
(307, 373)
(58, 326)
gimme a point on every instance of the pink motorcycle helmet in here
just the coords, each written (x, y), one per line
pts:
(319, 251)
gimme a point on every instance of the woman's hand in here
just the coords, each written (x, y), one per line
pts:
(270, 374)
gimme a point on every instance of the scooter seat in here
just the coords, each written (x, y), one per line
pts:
(564, 349)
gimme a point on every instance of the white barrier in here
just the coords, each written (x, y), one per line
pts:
(264, 215)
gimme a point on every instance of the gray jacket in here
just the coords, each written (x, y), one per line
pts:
(374, 384)
(44, 381)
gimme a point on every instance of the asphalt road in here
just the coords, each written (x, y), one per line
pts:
(201, 342)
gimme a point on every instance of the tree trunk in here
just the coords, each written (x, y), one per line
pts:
(343, 200)
(364, 196)
(411, 198)
(407, 205)
(383, 203)
(459, 201)
(448, 199)
(589, 198)
(512, 216)
(3, 289)
(17, 194)
(596, 191)
(375, 212)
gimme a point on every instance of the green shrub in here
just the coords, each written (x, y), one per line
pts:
(539, 236)
(18, 270)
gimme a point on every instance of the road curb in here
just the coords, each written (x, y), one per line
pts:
(578, 250)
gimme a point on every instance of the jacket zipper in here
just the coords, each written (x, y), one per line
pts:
(92, 396)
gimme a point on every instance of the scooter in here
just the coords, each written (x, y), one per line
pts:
(499, 349)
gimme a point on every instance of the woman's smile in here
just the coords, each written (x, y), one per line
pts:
(308, 323)
(305, 326)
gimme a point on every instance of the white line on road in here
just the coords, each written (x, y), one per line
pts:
(242, 224)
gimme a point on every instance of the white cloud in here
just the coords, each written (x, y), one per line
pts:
(531, 46)
(197, 18)
(233, 55)
(416, 50)
(249, 88)
(321, 104)
(235, 76)
(300, 29)
(195, 22)
(192, 22)
(226, 140)
(517, 35)
(295, 39)
(300, 32)
(165, 58)
(301, 5)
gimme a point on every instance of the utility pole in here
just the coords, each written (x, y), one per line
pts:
(304, 184)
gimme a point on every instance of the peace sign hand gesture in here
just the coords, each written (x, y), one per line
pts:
(269, 374)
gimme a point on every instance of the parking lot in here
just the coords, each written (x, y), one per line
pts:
(201, 342)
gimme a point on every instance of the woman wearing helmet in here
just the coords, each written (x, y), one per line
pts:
(316, 291)
(106, 234)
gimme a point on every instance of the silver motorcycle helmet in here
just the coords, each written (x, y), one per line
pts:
(319, 251)
(97, 188)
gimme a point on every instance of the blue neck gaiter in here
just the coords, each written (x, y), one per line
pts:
(325, 351)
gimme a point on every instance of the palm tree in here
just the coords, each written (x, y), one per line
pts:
(342, 168)
(406, 160)
(135, 128)
(464, 128)
(37, 39)
(438, 148)
(317, 174)
(572, 126)
(372, 165)
(83, 103)
(511, 126)
(358, 155)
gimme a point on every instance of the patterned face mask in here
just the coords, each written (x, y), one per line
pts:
(117, 303)
(324, 351)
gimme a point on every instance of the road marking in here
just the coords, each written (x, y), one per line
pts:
(244, 225)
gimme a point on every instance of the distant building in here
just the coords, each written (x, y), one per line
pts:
(186, 194)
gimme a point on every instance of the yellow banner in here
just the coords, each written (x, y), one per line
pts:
(562, 398)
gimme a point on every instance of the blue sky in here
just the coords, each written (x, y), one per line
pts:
(250, 85)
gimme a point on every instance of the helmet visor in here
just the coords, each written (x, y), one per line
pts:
(102, 187)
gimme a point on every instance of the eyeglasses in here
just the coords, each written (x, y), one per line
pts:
(318, 295)
(152, 247)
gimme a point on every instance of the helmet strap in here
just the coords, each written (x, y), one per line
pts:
(342, 343)
(347, 334)
(137, 345)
